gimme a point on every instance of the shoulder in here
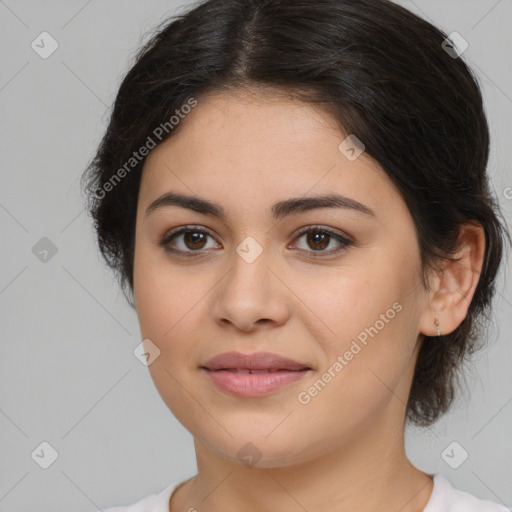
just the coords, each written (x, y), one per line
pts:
(445, 498)
(157, 502)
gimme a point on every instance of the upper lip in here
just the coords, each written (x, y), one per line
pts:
(255, 361)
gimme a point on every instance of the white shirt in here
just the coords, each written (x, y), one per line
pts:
(444, 498)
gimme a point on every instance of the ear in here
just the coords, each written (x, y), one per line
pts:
(453, 287)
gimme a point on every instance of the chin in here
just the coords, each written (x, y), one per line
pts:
(261, 450)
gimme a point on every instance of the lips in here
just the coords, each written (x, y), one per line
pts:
(259, 362)
(253, 375)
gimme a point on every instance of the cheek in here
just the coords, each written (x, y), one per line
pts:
(161, 295)
(171, 310)
(366, 361)
(165, 308)
(345, 302)
(369, 318)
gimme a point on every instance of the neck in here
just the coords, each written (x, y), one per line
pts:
(370, 474)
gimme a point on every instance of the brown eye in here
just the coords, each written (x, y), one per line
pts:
(317, 240)
(322, 241)
(187, 241)
(194, 239)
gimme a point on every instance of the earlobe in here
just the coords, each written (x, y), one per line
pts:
(436, 322)
(453, 287)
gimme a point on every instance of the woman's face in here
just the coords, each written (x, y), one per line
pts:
(348, 310)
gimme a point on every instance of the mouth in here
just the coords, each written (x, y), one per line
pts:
(253, 375)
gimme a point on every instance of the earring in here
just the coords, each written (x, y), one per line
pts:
(436, 323)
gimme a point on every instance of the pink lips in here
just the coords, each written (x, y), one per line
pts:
(233, 372)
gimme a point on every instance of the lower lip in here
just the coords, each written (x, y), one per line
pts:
(253, 384)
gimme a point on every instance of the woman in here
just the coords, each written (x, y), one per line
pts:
(295, 199)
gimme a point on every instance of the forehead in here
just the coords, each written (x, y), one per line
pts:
(257, 147)
(233, 118)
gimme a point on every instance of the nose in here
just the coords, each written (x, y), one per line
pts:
(251, 296)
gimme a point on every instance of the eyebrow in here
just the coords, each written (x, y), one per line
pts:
(279, 209)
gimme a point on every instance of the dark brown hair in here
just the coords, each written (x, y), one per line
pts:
(385, 76)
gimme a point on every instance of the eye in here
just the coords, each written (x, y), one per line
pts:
(191, 241)
(186, 240)
(318, 239)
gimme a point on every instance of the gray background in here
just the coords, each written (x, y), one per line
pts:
(68, 373)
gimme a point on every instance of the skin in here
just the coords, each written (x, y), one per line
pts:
(246, 150)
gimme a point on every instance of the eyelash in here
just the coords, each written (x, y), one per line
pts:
(345, 242)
